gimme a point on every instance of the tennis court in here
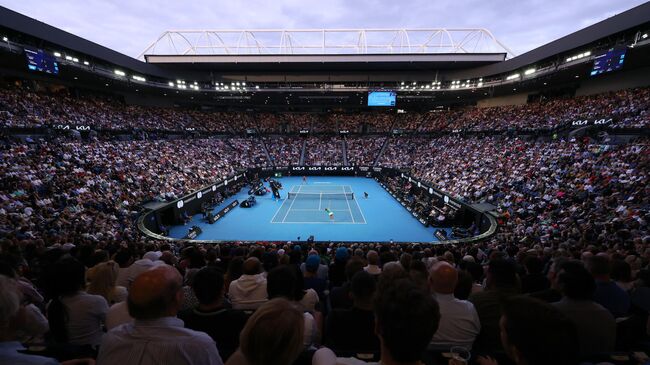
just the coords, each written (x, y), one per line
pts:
(307, 204)
(301, 214)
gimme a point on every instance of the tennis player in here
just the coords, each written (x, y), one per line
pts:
(304, 179)
(330, 213)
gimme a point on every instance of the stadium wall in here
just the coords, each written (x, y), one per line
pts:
(517, 99)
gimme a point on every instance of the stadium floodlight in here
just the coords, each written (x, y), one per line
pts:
(644, 36)
(243, 83)
(120, 73)
(257, 86)
(512, 77)
(480, 84)
(139, 78)
(57, 54)
(86, 63)
(170, 84)
(530, 71)
(237, 83)
(226, 87)
(5, 39)
(75, 59)
(402, 82)
(69, 58)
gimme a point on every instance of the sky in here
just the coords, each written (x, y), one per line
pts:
(129, 26)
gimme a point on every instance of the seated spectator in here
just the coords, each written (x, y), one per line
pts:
(12, 318)
(595, 325)
(337, 268)
(284, 282)
(373, 263)
(407, 317)
(323, 270)
(535, 333)
(459, 322)
(312, 280)
(607, 293)
(340, 296)
(501, 283)
(551, 294)
(75, 316)
(354, 329)
(211, 315)
(103, 282)
(149, 260)
(157, 336)
(534, 280)
(249, 291)
(272, 336)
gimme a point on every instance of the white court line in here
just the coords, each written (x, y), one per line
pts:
(293, 201)
(318, 182)
(358, 206)
(320, 199)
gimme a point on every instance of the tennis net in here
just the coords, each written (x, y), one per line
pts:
(322, 196)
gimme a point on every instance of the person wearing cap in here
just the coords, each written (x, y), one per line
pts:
(321, 272)
(312, 281)
(337, 268)
(149, 260)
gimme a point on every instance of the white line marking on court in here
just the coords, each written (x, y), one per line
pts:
(293, 201)
(319, 182)
(358, 206)
(279, 209)
(320, 198)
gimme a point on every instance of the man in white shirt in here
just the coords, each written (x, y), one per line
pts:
(249, 291)
(157, 336)
(459, 321)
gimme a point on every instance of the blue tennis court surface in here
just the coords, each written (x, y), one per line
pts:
(301, 213)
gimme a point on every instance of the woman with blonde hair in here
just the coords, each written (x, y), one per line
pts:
(102, 282)
(273, 335)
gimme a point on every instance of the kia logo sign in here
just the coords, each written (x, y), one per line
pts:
(347, 168)
(580, 122)
(329, 168)
(298, 169)
(602, 121)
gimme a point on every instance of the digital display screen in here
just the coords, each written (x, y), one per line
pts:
(37, 60)
(610, 61)
(382, 98)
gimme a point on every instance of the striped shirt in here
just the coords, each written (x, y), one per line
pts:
(158, 341)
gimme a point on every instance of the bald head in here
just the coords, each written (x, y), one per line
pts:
(156, 293)
(252, 266)
(443, 278)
